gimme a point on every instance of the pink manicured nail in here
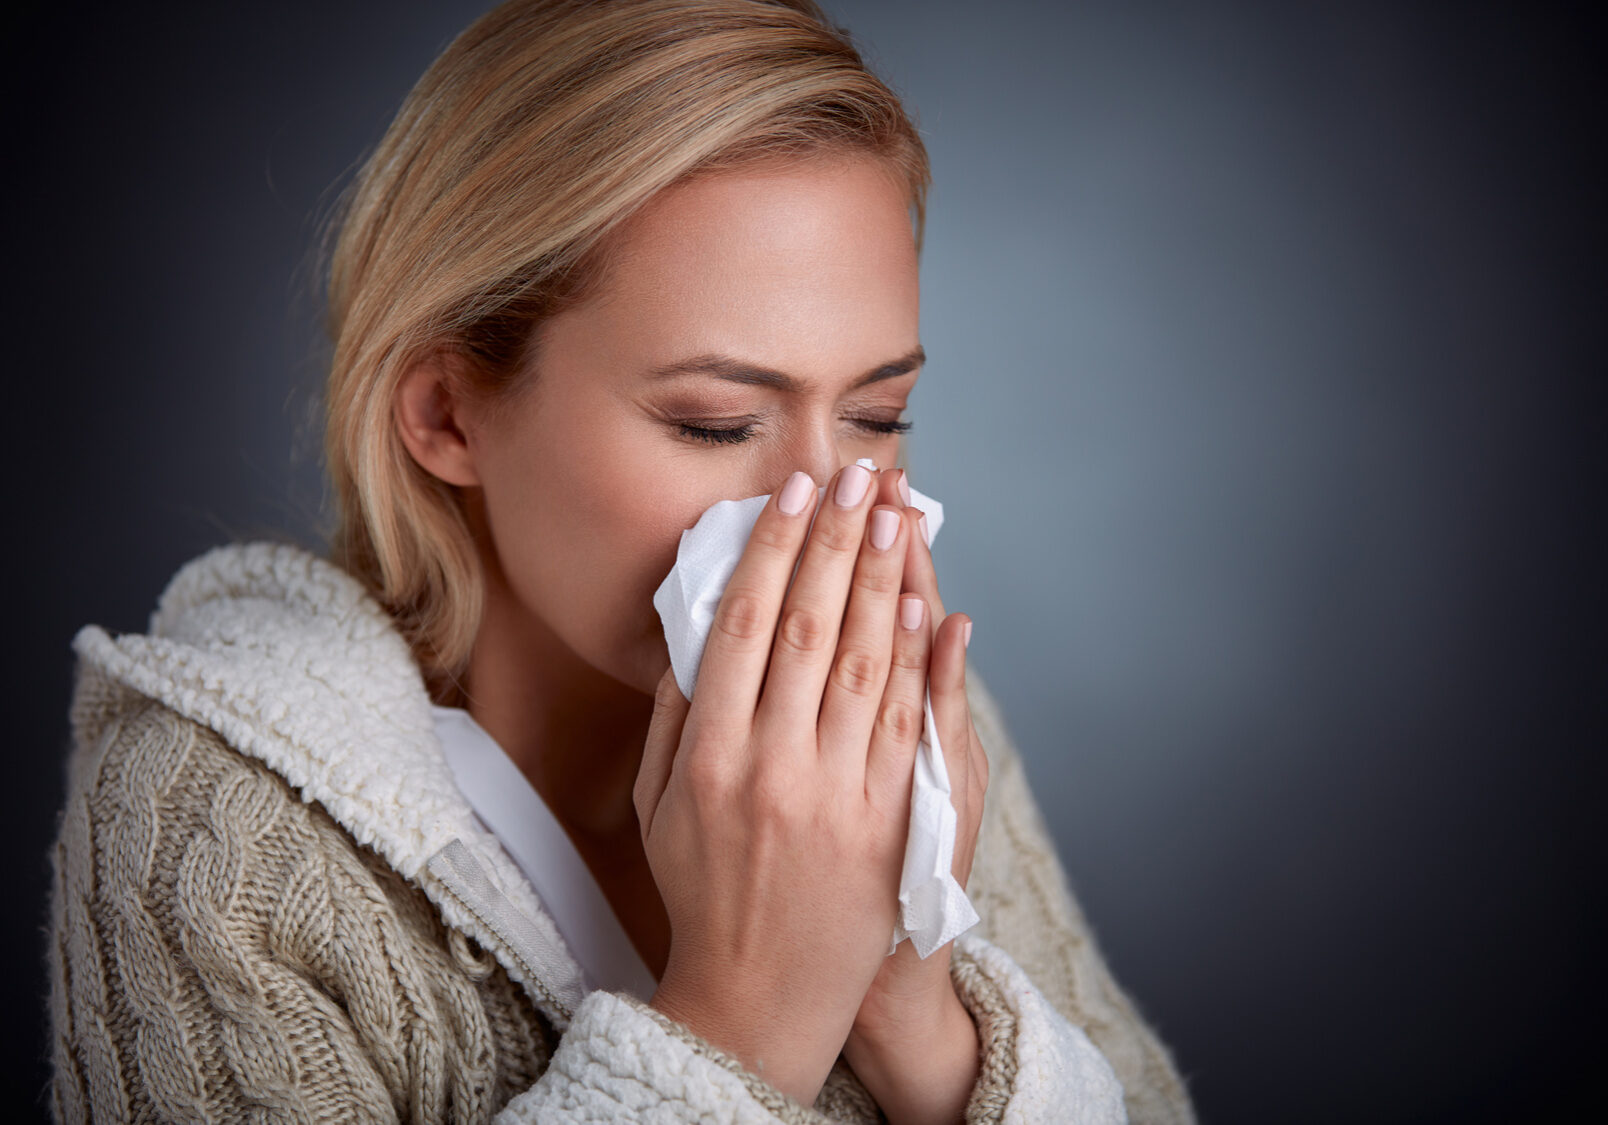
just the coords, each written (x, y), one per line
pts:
(904, 486)
(795, 494)
(851, 486)
(967, 636)
(884, 529)
(911, 611)
(926, 536)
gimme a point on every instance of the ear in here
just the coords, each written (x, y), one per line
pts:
(431, 419)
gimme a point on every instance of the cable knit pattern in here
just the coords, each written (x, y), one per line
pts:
(225, 951)
(996, 1035)
(246, 922)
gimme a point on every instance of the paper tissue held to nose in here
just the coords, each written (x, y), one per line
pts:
(933, 908)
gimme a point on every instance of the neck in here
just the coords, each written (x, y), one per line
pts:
(574, 731)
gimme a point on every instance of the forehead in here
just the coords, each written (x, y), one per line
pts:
(775, 209)
(806, 266)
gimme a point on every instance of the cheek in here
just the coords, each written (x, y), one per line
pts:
(594, 549)
(585, 537)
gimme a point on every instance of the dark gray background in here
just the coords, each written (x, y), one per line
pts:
(1265, 398)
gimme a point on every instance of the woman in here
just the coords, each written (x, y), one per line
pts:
(611, 263)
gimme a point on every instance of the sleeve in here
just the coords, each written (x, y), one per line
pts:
(1036, 1066)
(1034, 942)
(621, 1060)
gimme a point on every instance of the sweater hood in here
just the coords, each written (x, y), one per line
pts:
(294, 663)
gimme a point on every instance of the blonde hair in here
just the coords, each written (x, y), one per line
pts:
(484, 210)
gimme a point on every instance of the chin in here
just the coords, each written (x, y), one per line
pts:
(641, 666)
(654, 662)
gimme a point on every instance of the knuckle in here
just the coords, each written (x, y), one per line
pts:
(774, 536)
(899, 722)
(803, 630)
(772, 796)
(910, 657)
(840, 537)
(858, 673)
(881, 581)
(741, 617)
(707, 776)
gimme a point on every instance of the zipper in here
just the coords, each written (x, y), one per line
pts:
(465, 881)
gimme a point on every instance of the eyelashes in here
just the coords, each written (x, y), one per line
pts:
(736, 434)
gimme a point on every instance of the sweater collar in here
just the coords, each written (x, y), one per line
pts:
(295, 664)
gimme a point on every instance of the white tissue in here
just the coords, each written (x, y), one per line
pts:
(933, 908)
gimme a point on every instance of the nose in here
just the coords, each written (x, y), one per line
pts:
(817, 449)
(820, 454)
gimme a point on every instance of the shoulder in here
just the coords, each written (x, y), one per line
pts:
(1027, 908)
(164, 817)
(163, 811)
(152, 789)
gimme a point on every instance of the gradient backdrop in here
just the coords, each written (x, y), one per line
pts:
(1265, 397)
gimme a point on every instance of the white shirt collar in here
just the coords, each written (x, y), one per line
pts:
(513, 811)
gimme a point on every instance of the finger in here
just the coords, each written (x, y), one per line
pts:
(860, 671)
(969, 828)
(744, 627)
(812, 613)
(946, 679)
(659, 751)
(979, 764)
(892, 752)
(893, 487)
(919, 575)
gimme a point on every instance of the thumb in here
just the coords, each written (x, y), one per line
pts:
(659, 751)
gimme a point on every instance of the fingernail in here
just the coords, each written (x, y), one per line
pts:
(926, 536)
(884, 528)
(911, 611)
(904, 486)
(851, 486)
(967, 637)
(795, 494)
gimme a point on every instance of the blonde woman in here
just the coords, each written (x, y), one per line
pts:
(425, 831)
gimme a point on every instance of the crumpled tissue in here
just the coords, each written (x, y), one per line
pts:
(933, 907)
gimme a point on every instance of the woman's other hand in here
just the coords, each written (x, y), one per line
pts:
(913, 1043)
(775, 807)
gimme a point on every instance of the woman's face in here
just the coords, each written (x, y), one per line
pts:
(777, 307)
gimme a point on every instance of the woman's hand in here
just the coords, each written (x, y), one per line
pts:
(774, 808)
(913, 1043)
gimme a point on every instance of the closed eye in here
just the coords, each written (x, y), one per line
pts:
(733, 435)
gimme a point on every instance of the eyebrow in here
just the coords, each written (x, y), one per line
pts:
(736, 371)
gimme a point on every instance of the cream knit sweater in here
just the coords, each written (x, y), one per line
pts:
(271, 903)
